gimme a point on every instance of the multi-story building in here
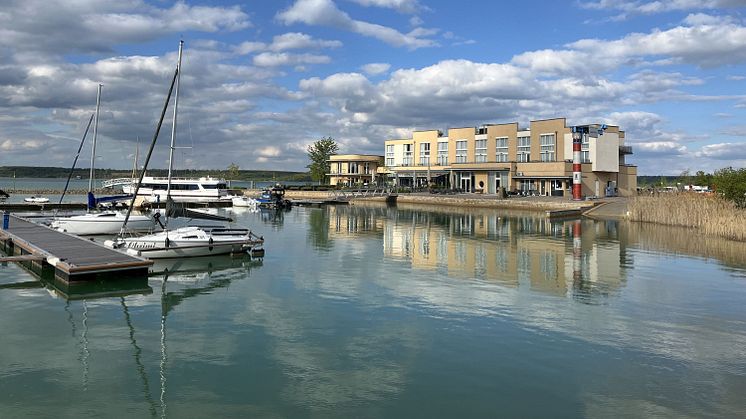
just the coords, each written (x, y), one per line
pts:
(535, 160)
(354, 169)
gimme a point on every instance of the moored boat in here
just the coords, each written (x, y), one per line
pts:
(36, 200)
(105, 222)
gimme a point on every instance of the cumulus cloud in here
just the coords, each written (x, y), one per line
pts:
(723, 151)
(326, 13)
(374, 69)
(86, 26)
(401, 6)
(270, 59)
(660, 6)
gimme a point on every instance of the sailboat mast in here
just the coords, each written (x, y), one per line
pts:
(95, 135)
(173, 125)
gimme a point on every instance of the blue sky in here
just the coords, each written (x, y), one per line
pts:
(263, 79)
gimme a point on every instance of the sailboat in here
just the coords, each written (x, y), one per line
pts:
(185, 241)
(99, 222)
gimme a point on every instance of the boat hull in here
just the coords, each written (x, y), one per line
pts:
(189, 242)
(91, 224)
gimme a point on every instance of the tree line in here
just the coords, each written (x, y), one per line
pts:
(234, 174)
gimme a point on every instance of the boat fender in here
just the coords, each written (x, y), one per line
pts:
(168, 242)
(211, 241)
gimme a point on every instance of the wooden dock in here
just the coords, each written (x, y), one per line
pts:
(70, 257)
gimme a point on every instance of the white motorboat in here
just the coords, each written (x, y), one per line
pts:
(36, 200)
(155, 189)
(245, 202)
(105, 222)
(185, 241)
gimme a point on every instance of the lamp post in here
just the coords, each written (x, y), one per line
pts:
(577, 182)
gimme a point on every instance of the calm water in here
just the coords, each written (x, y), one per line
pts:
(385, 312)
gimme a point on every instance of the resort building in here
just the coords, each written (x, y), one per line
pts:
(534, 160)
(355, 169)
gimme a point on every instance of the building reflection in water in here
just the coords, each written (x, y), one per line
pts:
(579, 259)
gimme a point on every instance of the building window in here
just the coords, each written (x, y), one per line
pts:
(366, 168)
(390, 155)
(425, 154)
(408, 155)
(353, 168)
(547, 147)
(461, 151)
(524, 149)
(585, 154)
(501, 151)
(480, 151)
(443, 153)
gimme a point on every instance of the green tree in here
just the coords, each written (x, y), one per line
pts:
(319, 153)
(703, 179)
(233, 172)
(730, 183)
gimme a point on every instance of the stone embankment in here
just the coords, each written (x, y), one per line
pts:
(537, 203)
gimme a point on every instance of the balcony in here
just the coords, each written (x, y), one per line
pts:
(625, 149)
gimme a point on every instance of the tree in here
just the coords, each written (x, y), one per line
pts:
(730, 183)
(233, 172)
(319, 153)
(703, 179)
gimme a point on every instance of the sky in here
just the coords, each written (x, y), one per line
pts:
(261, 80)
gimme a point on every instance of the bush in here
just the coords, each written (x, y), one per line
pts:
(730, 183)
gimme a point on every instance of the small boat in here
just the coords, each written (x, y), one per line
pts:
(245, 202)
(3, 195)
(36, 200)
(274, 198)
(104, 222)
(189, 241)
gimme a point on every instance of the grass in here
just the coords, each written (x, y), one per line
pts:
(707, 214)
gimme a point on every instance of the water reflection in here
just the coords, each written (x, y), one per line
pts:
(579, 259)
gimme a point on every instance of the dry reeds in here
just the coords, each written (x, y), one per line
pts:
(708, 214)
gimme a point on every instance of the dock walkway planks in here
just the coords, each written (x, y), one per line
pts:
(73, 258)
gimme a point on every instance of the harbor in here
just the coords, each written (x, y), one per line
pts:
(393, 295)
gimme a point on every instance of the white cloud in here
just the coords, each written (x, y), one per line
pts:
(326, 13)
(401, 6)
(660, 6)
(271, 59)
(723, 151)
(61, 27)
(295, 40)
(375, 69)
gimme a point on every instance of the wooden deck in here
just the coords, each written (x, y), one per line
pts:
(72, 258)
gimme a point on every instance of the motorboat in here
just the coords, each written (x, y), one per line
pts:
(36, 200)
(155, 189)
(274, 198)
(245, 202)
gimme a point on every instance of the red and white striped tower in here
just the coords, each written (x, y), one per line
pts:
(577, 182)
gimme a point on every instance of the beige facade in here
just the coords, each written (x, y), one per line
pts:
(354, 169)
(534, 160)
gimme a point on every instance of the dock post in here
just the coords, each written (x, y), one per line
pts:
(6, 219)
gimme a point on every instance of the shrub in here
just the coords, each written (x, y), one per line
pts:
(730, 183)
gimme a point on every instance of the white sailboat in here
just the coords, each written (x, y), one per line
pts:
(99, 222)
(185, 241)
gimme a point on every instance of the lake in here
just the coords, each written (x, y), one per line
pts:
(396, 312)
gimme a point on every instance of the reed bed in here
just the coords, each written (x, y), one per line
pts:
(708, 214)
